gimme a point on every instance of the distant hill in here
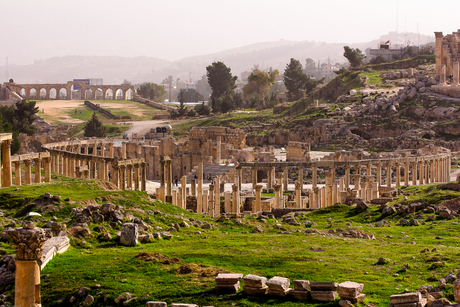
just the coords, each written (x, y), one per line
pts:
(147, 69)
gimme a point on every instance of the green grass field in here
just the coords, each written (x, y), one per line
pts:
(232, 247)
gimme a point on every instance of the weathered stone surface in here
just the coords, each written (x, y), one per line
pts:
(183, 305)
(123, 297)
(345, 303)
(354, 299)
(350, 288)
(232, 288)
(88, 300)
(456, 285)
(129, 234)
(255, 290)
(324, 296)
(228, 278)
(29, 241)
(156, 304)
(255, 281)
(413, 297)
(324, 286)
(302, 285)
(278, 283)
(300, 295)
(422, 303)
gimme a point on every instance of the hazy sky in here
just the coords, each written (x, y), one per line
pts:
(174, 29)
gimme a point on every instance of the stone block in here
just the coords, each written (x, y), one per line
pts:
(324, 286)
(350, 288)
(301, 285)
(422, 303)
(129, 234)
(255, 290)
(183, 305)
(300, 295)
(228, 278)
(354, 299)
(278, 283)
(156, 304)
(255, 281)
(231, 288)
(324, 296)
(413, 297)
(280, 293)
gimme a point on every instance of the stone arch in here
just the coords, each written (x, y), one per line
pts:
(63, 93)
(98, 93)
(33, 93)
(22, 92)
(53, 93)
(119, 93)
(87, 93)
(42, 93)
(129, 94)
(109, 93)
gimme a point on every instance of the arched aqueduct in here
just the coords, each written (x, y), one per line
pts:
(63, 91)
(129, 164)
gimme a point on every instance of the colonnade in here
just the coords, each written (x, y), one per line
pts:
(74, 159)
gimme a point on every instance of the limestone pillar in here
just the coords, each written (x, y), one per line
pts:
(357, 182)
(432, 171)
(168, 177)
(314, 201)
(314, 176)
(123, 150)
(211, 201)
(29, 248)
(301, 176)
(334, 193)
(53, 162)
(47, 170)
(269, 179)
(218, 150)
(298, 194)
(56, 163)
(17, 173)
(123, 177)
(236, 200)
(258, 206)
(6, 163)
(143, 177)
(115, 175)
(323, 197)
(228, 202)
(398, 174)
(163, 172)
(110, 150)
(193, 187)
(328, 192)
(183, 181)
(136, 177)
(38, 173)
(346, 178)
(28, 173)
(368, 169)
(414, 173)
(442, 77)
(285, 179)
(389, 175)
(240, 177)
(180, 197)
(279, 180)
(406, 173)
(129, 172)
(277, 188)
(420, 175)
(174, 198)
(102, 149)
(86, 149)
(426, 175)
(254, 177)
(205, 201)
(217, 196)
(199, 198)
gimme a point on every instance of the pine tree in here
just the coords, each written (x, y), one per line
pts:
(94, 127)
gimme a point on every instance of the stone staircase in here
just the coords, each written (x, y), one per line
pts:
(212, 169)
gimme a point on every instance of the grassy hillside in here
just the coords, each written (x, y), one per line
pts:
(185, 270)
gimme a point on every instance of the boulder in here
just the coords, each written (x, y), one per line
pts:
(350, 288)
(255, 281)
(129, 234)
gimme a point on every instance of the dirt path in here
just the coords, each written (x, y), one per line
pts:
(142, 127)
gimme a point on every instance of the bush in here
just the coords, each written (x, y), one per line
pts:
(202, 109)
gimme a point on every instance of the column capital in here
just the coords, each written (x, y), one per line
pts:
(235, 188)
(29, 241)
(258, 187)
(7, 143)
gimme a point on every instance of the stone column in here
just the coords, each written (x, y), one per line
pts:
(123, 150)
(277, 188)
(38, 173)
(86, 149)
(432, 171)
(143, 177)
(426, 176)
(28, 174)
(279, 180)
(122, 177)
(314, 176)
(420, 175)
(205, 201)
(254, 177)
(357, 183)
(6, 162)
(217, 196)
(17, 173)
(301, 176)
(56, 163)
(110, 150)
(129, 172)
(240, 177)
(29, 248)
(211, 201)
(183, 181)
(269, 179)
(398, 174)
(228, 202)
(368, 169)
(218, 150)
(406, 173)
(163, 172)
(199, 198)
(346, 178)
(414, 173)
(169, 177)
(442, 77)
(335, 192)
(47, 170)
(298, 194)
(180, 198)
(323, 197)
(236, 200)
(285, 178)
(258, 206)
(193, 187)
(315, 198)
(102, 149)
(136, 177)
(389, 175)
(328, 192)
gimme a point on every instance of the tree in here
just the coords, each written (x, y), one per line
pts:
(354, 56)
(258, 86)
(294, 79)
(94, 127)
(152, 91)
(21, 116)
(377, 60)
(310, 65)
(221, 81)
(190, 95)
